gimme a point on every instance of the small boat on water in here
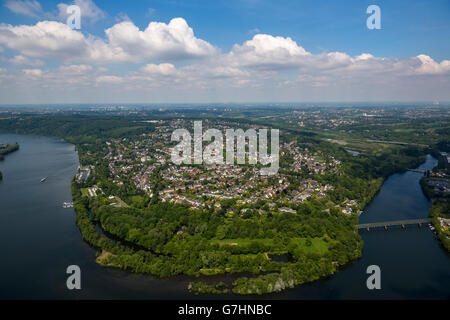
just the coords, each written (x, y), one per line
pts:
(67, 205)
(43, 179)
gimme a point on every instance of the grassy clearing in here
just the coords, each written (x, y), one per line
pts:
(318, 245)
(84, 192)
(315, 245)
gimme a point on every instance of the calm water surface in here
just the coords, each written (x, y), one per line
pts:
(39, 239)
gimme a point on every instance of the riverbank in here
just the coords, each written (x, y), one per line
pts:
(436, 187)
(7, 149)
(439, 213)
(440, 217)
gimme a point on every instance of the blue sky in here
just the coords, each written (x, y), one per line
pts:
(299, 65)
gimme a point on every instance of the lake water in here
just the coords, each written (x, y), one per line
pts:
(39, 239)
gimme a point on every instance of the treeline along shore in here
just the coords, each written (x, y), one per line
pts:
(436, 187)
(7, 149)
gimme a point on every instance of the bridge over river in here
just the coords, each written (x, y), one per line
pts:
(387, 224)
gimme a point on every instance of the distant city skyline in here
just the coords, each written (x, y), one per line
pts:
(223, 52)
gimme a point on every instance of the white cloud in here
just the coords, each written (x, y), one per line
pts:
(31, 8)
(88, 8)
(109, 79)
(22, 60)
(102, 69)
(267, 55)
(125, 42)
(267, 50)
(264, 44)
(172, 41)
(364, 56)
(163, 69)
(46, 39)
(271, 64)
(75, 69)
(32, 72)
(227, 71)
(65, 77)
(429, 66)
(211, 70)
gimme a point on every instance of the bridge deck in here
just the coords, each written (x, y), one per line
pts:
(392, 223)
(417, 170)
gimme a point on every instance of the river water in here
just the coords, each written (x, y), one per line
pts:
(39, 240)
